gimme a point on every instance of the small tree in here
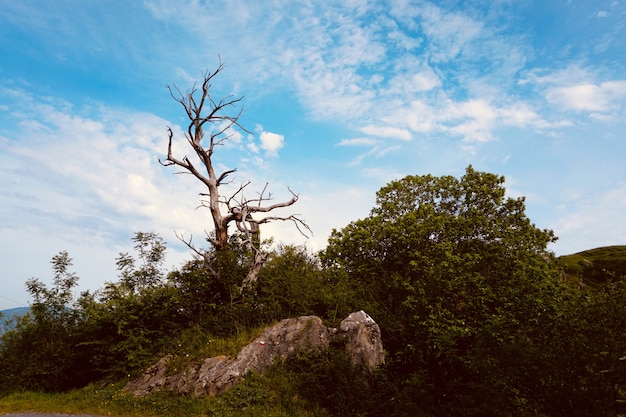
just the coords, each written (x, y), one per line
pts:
(40, 353)
(52, 304)
(151, 252)
(234, 207)
(126, 323)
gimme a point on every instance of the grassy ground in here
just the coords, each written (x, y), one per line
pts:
(270, 395)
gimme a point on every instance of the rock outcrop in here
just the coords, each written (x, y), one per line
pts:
(359, 333)
(362, 339)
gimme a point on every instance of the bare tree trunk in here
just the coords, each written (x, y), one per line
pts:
(202, 110)
(253, 274)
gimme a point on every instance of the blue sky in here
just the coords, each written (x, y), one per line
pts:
(340, 97)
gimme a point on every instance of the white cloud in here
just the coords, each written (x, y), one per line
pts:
(358, 142)
(337, 93)
(382, 175)
(418, 116)
(406, 42)
(348, 68)
(579, 89)
(590, 97)
(252, 147)
(448, 32)
(521, 115)
(472, 119)
(425, 80)
(410, 83)
(99, 171)
(86, 183)
(570, 75)
(475, 109)
(387, 132)
(271, 143)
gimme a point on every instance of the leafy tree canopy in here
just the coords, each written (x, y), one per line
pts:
(456, 275)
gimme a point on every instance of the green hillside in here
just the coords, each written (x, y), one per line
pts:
(596, 266)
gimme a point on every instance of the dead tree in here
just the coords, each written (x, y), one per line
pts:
(210, 126)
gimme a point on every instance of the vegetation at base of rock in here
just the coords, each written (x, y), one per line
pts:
(329, 379)
(475, 314)
(194, 345)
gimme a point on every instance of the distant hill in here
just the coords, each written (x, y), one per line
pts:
(9, 315)
(596, 266)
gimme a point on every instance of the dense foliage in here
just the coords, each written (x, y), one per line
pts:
(477, 319)
(459, 280)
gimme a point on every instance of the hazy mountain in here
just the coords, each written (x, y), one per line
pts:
(8, 316)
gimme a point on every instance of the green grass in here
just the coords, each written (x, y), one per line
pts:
(271, 395)
(194, 345)
(615, 253)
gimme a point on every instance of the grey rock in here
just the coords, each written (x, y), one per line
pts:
(362, 339)
(359, 333)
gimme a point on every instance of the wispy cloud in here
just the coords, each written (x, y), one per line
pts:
(345, 67)
(580, 90)
(357, 142)
(448, 32)
(387, 132)
(602, 97)
(98, 168)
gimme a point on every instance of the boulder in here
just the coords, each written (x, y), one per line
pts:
(362, 339)
(359, 333)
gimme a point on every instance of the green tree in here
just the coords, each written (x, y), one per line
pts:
(457, 276)
(579, 363)
(210, 300)
(40, 353)
(127, 323)
(151, 250)
(53, 303)
(293, 283)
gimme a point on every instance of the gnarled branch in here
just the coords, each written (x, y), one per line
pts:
(203, 110)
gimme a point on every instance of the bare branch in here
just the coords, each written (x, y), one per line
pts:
(203, 110)
(224, 175)
(235, 194)
(261, 209)
(298, 222)
(263, 192)
(201, 254)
